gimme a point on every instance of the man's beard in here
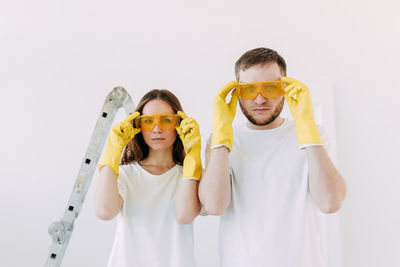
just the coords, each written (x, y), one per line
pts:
(274, 115)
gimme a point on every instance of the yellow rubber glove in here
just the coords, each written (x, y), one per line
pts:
(298, 97)
(224, 113)
(189, 132)
(120, 134)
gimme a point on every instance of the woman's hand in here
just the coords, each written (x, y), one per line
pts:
(121, 133)
(189, 132)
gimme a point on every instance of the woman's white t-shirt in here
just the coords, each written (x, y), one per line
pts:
(147, 233)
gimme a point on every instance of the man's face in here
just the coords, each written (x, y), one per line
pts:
(261, 111)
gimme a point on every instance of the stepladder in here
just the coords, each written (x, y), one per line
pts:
(61, 231)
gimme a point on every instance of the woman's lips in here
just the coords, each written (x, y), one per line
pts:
(157, 139)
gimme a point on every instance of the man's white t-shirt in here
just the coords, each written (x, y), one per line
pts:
(147, 233)
(271, 220)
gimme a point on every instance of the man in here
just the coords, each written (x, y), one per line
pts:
(268, 177)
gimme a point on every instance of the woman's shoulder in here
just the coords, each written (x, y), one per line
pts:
(180, 168)
(128, 168)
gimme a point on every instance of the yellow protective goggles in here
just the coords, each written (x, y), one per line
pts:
(268, 89)
(164, 121)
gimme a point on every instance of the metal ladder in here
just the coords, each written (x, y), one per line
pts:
(61, 231)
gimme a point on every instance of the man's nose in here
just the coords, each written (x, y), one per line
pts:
(260, 99)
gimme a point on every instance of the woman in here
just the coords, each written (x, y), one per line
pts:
(155, 188)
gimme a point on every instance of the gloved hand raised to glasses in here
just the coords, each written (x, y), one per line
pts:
(298, 98)
(120, 134)
(189, 132)
(223, 115)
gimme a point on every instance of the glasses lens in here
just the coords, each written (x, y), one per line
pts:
(164, 121)
(169, 122)
(271, 89)
(268, 89)
(247, 91)
(146, 123)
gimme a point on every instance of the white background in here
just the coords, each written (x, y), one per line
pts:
(58, 61)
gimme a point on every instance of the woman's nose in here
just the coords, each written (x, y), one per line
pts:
(157, 129)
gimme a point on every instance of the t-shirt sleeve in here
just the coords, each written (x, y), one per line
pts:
(122, 183)
(208, 149)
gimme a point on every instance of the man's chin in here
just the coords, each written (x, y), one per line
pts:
(262, 123)
(263, 119)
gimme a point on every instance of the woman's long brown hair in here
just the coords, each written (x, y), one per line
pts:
(137, 149)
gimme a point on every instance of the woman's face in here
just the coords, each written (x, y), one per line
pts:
(158, 139)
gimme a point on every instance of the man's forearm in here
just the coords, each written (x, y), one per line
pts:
(327, 187)
(215, 185)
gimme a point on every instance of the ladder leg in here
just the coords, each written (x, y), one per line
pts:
(61, 231)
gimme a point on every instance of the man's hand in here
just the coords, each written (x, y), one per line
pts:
(224, 113)
(298, 97)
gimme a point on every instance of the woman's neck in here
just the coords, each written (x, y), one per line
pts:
(159, 159)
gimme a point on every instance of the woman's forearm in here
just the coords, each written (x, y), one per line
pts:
(187, 205)
(108, 201)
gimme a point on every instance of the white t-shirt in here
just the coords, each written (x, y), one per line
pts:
(147, 233)
(271, 220)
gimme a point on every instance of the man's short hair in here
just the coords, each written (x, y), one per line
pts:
(259, 56)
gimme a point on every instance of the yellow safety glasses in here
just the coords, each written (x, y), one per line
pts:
(268, 89)
(164, 121)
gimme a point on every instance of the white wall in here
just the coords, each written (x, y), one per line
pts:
(58, 60)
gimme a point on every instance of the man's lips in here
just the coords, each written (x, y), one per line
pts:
(260, 109)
